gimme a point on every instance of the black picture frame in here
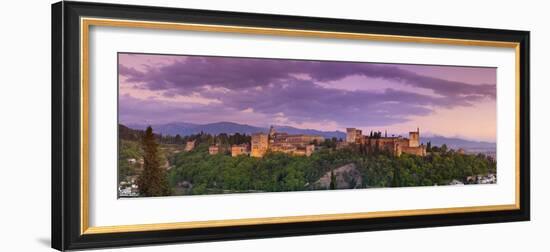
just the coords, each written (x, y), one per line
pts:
(66, 114)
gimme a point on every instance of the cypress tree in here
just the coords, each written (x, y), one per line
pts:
(152, 180)
(332, 180)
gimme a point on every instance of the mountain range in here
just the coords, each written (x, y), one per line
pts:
(183, 129)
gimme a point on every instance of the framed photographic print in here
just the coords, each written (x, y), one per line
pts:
(180, 125)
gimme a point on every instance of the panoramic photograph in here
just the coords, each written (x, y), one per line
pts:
(198, 125)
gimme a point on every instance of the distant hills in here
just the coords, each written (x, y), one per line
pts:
(166, 129)
(184, 129)
(456, 143)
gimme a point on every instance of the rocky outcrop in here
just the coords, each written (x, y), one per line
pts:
(346, 177)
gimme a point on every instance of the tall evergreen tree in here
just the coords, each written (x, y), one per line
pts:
(332, 180)
(152, 180)
(178, 139)
(444, 149)
(396, 181)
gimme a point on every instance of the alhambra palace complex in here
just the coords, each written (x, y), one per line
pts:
(300, 145)
(394, 144)
(303, 145)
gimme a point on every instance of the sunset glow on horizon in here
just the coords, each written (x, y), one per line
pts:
(451, 101)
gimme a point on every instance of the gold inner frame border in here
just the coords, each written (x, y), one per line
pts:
(85, 24)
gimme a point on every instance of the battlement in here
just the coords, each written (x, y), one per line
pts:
(393, 144)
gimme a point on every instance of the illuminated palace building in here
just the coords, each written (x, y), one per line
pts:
(395, 145)
(300, 145)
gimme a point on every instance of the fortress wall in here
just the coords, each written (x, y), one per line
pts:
(419, 151)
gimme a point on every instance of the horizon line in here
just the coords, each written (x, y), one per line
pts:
(429, 134)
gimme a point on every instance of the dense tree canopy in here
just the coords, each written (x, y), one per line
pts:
(128, 150)
(282, 172)
(198, 172)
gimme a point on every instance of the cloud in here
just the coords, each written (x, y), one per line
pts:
(240, 73)
(303, 101)
(130, 71)
(156, 111)
(270, 88)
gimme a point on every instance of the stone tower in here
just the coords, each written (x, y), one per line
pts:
(414, 138)
(352, 134)
(260, 144)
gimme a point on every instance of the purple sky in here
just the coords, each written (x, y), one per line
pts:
(324, 95)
